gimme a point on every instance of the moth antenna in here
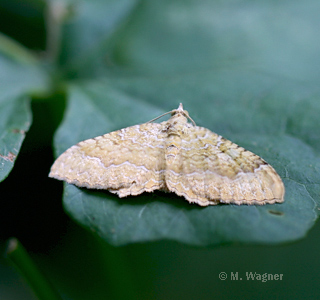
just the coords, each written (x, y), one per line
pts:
(169, 112)
(178, 110)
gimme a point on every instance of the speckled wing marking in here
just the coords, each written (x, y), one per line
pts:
(211, 169)
(126, 162)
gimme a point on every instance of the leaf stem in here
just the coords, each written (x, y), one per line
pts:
(56, 13)
(22, 261)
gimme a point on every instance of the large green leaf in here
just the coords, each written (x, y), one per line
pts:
(279, 37)
(173, 36)
(246, 70)
(19, 75)
(255, 122)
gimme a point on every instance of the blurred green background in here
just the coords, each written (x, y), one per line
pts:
(227, 60)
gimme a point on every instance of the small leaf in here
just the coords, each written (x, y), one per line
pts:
(17, 78)
(15, 120)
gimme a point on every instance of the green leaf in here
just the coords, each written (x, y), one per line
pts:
(17, 78)
(255, 122)
(12, 49)
(246, 70)
(169, 36)
(15, 120)
(86, 31)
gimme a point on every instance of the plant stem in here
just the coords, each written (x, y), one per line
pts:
(22, 261)
(56, 13)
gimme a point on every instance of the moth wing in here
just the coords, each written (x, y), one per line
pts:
(214, 170)
(126, 162)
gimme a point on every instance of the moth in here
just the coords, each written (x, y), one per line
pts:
(172, 156)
